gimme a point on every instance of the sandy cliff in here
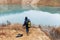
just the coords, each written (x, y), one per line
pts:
(10, 1)
(32, 2)
(9, 32)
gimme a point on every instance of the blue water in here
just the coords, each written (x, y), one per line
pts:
(39, 15)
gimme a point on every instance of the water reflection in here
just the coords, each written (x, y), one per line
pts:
(5, 9)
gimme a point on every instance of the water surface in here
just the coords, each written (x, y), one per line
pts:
(38, 15)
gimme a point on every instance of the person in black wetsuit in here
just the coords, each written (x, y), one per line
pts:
(26, 24)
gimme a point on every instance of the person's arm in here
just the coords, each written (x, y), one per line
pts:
(24, 23)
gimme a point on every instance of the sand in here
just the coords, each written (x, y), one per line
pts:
(9, 32)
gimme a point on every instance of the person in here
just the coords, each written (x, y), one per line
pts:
(8, 23)
(27, 24)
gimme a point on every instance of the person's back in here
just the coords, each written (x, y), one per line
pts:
(26, 24)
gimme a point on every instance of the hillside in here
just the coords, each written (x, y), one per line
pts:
(9, 32)
(32, 2)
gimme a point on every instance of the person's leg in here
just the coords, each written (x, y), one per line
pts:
(27, 31)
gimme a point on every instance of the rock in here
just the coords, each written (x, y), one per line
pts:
(19, 35)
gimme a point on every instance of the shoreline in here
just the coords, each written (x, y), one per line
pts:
(50, 32)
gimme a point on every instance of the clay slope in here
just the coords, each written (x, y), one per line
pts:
(32, 2)
(9, 32)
